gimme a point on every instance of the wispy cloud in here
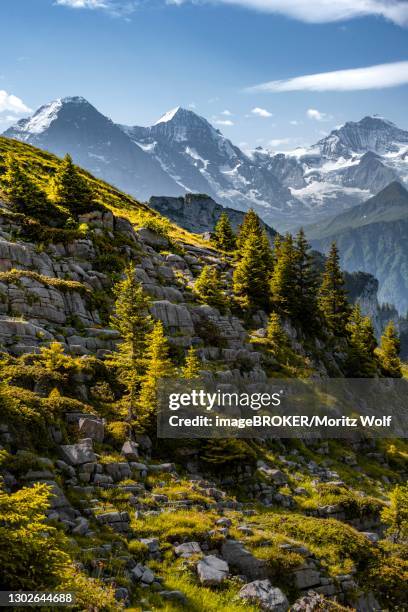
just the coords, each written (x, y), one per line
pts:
(226, 113)
(371, 77)
(116, 8)
(313, 113)
(261, 112)
(325, 11)
(12, 104)
(224, 122)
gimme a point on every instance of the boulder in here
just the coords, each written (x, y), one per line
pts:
(77, 454)
(238, 557)
(93, 428)
(266, 596)
(129, 450)
(212, 571)
(187, 549)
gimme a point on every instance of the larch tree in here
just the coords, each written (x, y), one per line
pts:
(223, 236)
(209, 288)
(252, 272)
(362, 343)
(24, 195)
(332, 296)
(192, 364)
(70, 188)
(283, 280)
(388, 352)
(132, 320)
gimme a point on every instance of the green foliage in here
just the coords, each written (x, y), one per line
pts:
(223, 236)
(14, 275)
(23, 193)
(158, 366)
(277, 338)
(283, 280)
(209, 290)
(388, 352)
(32, 554)
(227, 452)
(71, 190)
(305, 283)
(396, 514)
(192, 364)
(130, 317)
(250, 225)
(362, 343)
(252, 272)
(332, 298)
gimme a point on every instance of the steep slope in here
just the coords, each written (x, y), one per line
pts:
(372, 238)
(198, 213)
(136, 521)
(72, 125)
(201, 159)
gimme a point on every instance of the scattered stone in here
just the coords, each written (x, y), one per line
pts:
(187, 549)
(77, 454)
(93, 428)
(238, 557)
(212, 571)
(262, 593)
(129, 450)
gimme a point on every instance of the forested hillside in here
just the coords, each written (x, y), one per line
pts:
(100, 297)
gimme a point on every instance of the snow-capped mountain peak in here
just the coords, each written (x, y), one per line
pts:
(169, 115)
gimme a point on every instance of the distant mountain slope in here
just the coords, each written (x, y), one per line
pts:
(183, 153)
(73, 125)
(372, 237)
(198, 213)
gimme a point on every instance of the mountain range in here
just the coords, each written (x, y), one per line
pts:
(182, 153)
(372, 237)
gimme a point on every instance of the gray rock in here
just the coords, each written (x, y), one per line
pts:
(187, 549)
(77, 454)
(239, 558)
(212, 571)
(93, 428)
(129, 450)
(176, 596)
(262, 593)
(306, 578)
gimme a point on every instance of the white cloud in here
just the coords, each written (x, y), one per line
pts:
(313, 113)
(13, 104)
(261, 112)
(225, 122)
(372, 77)
(226, 113)
(295, 122)
(278, 142)
(116, 8)
(326, 11)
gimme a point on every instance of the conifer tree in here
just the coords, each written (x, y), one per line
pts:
(71, 189)
(252, 272)
(130, 317)
(283, 280)
(388, 352)
(250, 225)
(224, 237)
(332, 297)
(276, 336)
(208, 288)
(192, 364)
(362, 343)
(22, 192)
(305, 282)
(158, 365)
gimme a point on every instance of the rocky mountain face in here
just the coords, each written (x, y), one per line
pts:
(183, 153)
(167, 524)
(372, 238)
(73, 125)
(198, 213)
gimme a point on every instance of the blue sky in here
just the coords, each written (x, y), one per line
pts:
(135, 60)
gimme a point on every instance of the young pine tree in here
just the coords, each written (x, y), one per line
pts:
(332, 297)
(130, 317)
(158, 365)
(250, 225)
(22, 192)
(71, 189)
(305, 282)
(252, 272)
(362, 343)
(208, 288)
(283, 280)
(224, 237)
(278, 341)
(388, 352)
(192, 364)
